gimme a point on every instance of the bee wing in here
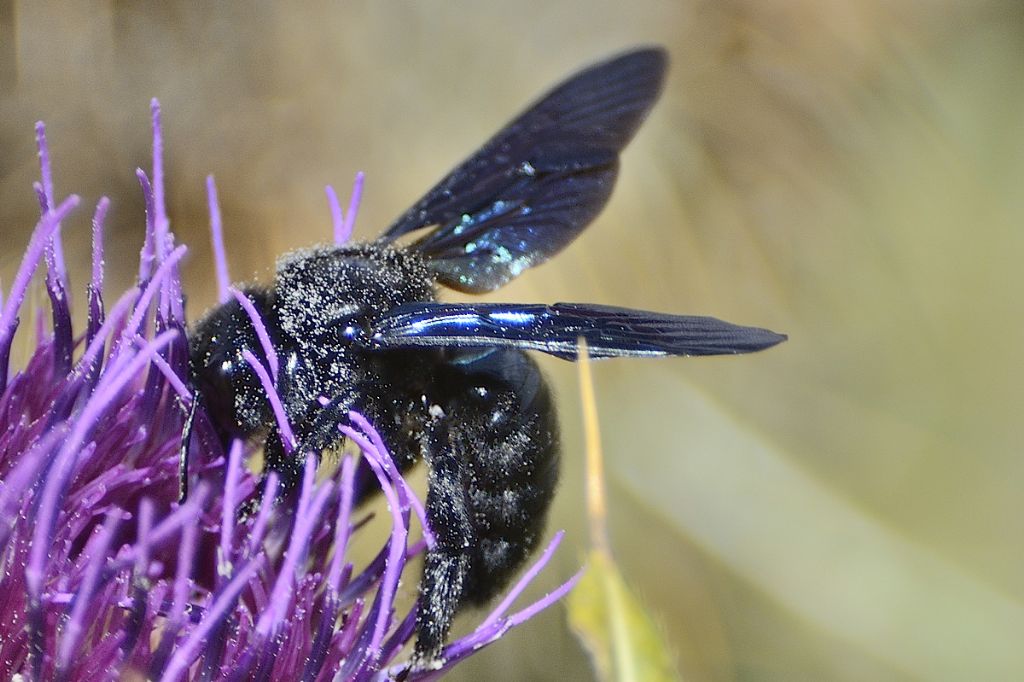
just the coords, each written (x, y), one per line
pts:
(556, 330)
(534, 186)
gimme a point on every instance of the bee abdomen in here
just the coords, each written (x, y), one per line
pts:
(505, 428)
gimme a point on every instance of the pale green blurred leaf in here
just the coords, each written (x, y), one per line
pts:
(623, 641)
(811, 550)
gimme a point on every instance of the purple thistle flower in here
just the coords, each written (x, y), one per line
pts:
(103, 574)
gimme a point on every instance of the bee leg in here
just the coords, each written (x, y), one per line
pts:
(287, 465)
(321, 432)
(492, 445)
(183, 450)
(446, 565)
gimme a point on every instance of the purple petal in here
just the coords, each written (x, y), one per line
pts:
(189, 649)
(261, 329)
(47, 225)
(160, 222)
(353, 207)
(283, 425)
(95, 320)
(337, 219)
(96, 550)
(220, 259)
(148, 254)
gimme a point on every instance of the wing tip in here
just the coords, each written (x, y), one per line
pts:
(650, 60)
(655, 56)
(757, 339)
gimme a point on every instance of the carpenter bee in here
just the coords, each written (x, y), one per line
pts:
(359, 327)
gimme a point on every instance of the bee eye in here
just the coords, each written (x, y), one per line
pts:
(350, 330)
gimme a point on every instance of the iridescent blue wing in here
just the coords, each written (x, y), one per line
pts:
(533, 187)
(556, 329)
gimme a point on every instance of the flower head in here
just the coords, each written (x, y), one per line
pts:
(105, 574)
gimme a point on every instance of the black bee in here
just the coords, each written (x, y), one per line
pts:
(358, 328)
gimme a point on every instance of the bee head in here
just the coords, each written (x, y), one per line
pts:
(336, 293)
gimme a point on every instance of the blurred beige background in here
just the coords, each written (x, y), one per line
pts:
(843, 507)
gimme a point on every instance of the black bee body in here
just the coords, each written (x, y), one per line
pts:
(483, 418)
(359, 328)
